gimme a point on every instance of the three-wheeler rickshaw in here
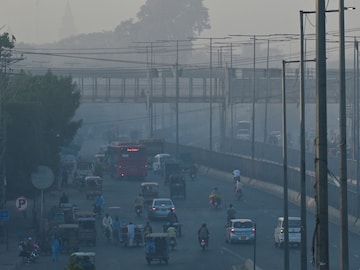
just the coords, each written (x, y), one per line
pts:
(87, 228)
(177, 186)
(69, 234)
(157, 247)
(93, 186)
(150, 191)
(82, 261)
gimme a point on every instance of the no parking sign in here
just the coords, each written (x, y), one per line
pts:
(21, 203)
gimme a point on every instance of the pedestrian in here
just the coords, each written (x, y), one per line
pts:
(147, 229)
(55, 247)
(63, 199)
(131, 233)
(117, 229)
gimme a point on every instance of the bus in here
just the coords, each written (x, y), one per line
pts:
(243, 130)
(127, 160)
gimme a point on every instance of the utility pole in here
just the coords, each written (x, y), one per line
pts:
(177, 98)
(344, 249)
(321, 178)
(253, 113)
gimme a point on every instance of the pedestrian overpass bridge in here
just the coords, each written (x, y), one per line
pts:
(220, 85)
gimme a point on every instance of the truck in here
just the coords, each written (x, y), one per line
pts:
(153, 146)
(243, 130)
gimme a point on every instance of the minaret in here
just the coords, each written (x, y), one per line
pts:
(67, 28)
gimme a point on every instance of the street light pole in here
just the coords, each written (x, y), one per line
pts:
(285, 181)
(253, 113)
(177, 98)
(303, 260)
(210, 99)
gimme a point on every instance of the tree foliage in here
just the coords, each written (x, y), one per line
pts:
(39, 112)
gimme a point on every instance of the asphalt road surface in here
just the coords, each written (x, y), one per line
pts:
(262, 207)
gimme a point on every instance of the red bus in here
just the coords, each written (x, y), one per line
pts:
(127, 160)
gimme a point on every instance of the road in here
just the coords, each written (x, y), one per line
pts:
(262, 207)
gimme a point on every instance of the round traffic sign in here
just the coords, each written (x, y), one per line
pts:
(43, 178)
(21, 203)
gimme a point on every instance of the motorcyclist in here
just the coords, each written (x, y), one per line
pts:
(231, 213)
(237, 175)
(215, 194)
(171, 230)
(107, 224)
(203, 233)
(139, 202)
(238, 187)
(193, 171)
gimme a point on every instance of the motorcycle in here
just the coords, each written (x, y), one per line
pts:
(172, 243)
(238, 194)
(215, 200)
(29, 256)
(107, 233)
(203, 243)
(138, 210)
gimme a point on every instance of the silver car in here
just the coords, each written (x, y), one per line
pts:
(160, 208)
(240, 230)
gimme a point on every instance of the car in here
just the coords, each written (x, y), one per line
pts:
(240, 230)
(294, 231)
(160, 208)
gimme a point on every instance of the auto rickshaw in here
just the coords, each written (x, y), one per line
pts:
(150, 191)
(157, 247)
(87, 230)
(69, 234)
(82, 260)
(93, 186)
(177, 186)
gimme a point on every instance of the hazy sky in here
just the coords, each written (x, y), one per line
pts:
(39, 21)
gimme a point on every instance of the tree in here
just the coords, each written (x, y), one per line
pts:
(39, 112)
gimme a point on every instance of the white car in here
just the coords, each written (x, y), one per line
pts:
(240, 230)
(160, 208)
(294, 232)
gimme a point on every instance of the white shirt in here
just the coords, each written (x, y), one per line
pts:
(131, 228)
(236, 173)
(107, 222)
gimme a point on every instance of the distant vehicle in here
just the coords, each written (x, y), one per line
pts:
(275, 137)
(153, 147)
(243, 130)
(127, 160)
(294, 231)
(83, 169)
(159, 161)
(160, 208)
(240, 230)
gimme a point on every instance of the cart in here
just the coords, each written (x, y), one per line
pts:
(69, 234)
(87, 231)
(82, 261)
(150, 191)
(177, 186)
(157, 247)
(138, 238)
(93, 186)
